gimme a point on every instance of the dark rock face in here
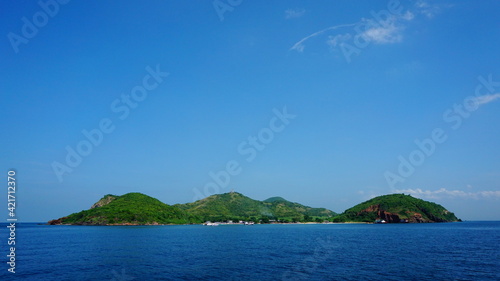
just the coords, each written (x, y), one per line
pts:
(392, 217)
(388, 217)
(417, 218)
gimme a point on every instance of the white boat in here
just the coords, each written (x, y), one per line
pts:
(211, 223)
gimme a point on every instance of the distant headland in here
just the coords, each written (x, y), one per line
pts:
(140, 209)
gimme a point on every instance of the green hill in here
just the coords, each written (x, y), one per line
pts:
(236, 206)
(227, 206)
(396, 208)
(131, 208)
(283, 208)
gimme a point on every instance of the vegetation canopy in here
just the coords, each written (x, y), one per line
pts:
(131, 208)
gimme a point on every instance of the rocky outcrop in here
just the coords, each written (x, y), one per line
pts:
(381, 214)
(417, 217)
(393, 217)
(388, 217)
(104, 201)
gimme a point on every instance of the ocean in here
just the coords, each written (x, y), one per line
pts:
(433, 251)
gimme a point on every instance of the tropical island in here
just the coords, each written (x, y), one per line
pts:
(140, 209)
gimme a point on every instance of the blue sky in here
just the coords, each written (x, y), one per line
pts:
(321, 103)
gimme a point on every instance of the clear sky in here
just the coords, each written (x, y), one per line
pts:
(326, 103)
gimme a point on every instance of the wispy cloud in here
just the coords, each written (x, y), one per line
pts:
(390, 33)
(374, 30)
(443, 192)
(481, 100)
(384, 31)
(430, 9)
(408, 16)
(299, 46)
(294, 13)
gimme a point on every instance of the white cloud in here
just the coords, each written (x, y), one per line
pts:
(426, 9)
(294, 13)
(486, 99)
(389, 33)
(408, 16)
(383, 32)
(430, 10)
(443, 192)
(422, 4)
(375, 30)
(299, 46)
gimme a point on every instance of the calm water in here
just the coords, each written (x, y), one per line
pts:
(452, 251)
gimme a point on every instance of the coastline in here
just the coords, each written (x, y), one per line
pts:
(203, 224)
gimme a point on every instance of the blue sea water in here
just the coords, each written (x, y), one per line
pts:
(442, 251)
